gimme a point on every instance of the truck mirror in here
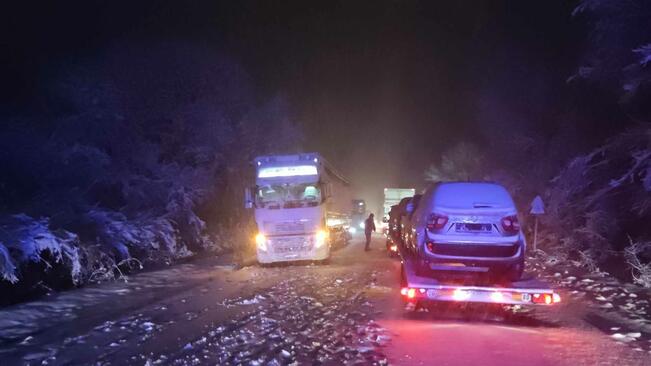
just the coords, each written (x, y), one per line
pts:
(248, 198)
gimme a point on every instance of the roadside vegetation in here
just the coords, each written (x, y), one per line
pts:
(593, 169)
(142, 165)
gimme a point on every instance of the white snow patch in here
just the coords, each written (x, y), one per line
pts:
(255, 300)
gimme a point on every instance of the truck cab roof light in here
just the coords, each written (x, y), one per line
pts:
(287, 171)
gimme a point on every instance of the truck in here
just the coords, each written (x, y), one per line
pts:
(300, 205)
(393, 196)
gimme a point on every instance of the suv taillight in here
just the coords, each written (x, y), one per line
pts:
(436, 222)
(510, 224)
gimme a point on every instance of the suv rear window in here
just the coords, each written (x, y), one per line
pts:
(472, 195)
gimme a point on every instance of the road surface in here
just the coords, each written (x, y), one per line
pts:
(347, 312)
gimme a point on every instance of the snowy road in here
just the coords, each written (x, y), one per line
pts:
(346, 312)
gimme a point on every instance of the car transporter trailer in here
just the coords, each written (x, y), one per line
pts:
(415, 289)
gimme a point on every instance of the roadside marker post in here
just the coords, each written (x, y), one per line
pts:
(537, 209)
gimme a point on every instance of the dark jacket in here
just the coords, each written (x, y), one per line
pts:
(369, 225)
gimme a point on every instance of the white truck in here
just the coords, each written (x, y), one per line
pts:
(301, 208)
(392, 196)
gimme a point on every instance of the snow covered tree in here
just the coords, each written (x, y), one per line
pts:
(152, 143)
(462, 162)
(620, 45)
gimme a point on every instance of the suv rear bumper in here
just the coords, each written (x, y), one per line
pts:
(475, 257)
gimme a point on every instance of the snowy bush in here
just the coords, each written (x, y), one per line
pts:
(24, 239)
(146, 163)
(640, 268)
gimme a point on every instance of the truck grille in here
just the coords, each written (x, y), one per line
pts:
(287, 227)
(292, 244)
(475, 250)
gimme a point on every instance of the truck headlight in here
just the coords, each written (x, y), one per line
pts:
(261, 241)
(320, 238)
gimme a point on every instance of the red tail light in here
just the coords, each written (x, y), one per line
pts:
(436, 222)
(411, 293)
(546, 299)
(510, 224)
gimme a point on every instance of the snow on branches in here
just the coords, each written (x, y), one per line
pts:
(25, 239)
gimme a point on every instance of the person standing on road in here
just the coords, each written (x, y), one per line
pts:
(369, 226)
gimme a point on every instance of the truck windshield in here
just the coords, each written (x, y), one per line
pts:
(288, 195)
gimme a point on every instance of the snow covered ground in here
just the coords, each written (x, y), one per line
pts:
(348, 312)
(621, 310)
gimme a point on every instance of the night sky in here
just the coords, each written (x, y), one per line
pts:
(380, 88)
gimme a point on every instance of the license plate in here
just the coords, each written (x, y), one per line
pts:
(477, 228)
(431, 294)
(526, 297)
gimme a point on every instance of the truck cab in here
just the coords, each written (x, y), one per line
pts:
(294, 208)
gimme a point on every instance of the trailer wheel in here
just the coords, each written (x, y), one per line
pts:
(514, 273)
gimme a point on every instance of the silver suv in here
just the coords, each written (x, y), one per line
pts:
(468, 227)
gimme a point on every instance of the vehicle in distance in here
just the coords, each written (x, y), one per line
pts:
(467, 227)
(357, 215)
(406, 226)
(393, 196)
(300, 204)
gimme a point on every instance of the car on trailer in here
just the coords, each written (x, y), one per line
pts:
(467, 227)
(465, 245)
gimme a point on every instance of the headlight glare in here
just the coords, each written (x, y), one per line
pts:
(320, 238)
(261, 241)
